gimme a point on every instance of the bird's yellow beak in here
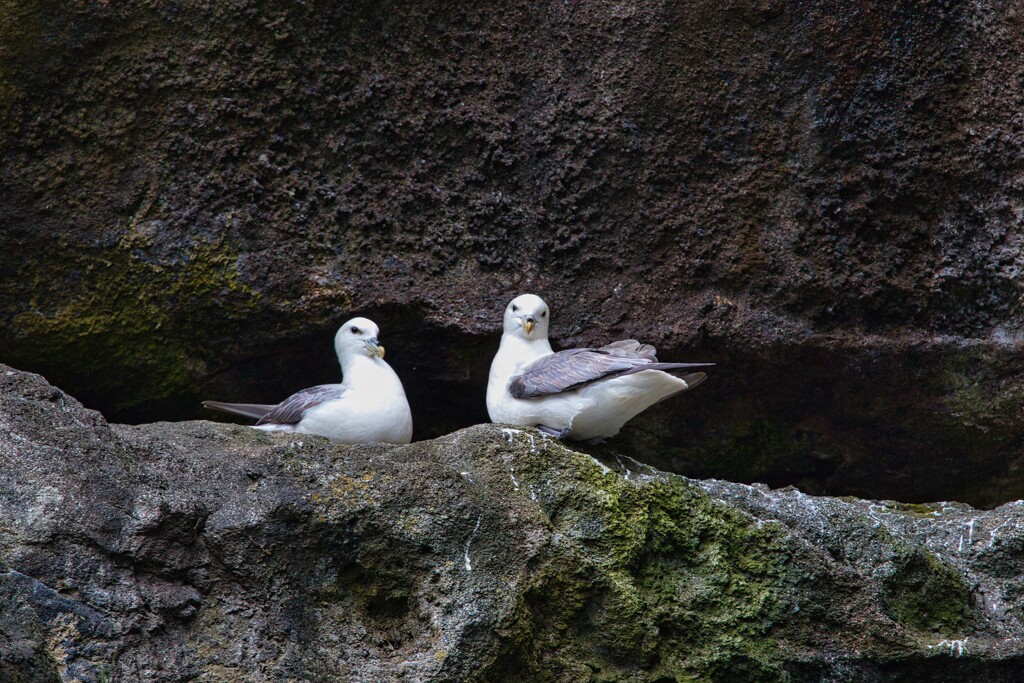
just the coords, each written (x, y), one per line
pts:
(528, 325)
(374, 347)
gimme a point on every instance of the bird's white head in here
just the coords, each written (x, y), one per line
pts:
(358, 337)
(526, 316)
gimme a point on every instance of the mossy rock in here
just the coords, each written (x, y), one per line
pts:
(491, 554)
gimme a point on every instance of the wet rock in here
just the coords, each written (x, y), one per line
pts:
(202, 551)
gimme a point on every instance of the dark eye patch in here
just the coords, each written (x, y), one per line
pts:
(543, 314)
(514, 308)
(355, 330)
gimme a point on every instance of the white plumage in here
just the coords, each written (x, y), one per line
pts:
(369, 406)
(582, 394)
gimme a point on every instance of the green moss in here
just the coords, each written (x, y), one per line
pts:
(674, 584)
(916, 509)
(979, 399)
(924, 594)
(343, 496)
(126, 318)
(651, 575)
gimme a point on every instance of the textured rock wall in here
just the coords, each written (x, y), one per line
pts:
(201, 552)
(824, 196)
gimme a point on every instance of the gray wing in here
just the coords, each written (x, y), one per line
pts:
(574, 368)
(290, 410)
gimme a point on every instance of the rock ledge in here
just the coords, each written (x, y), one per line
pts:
(205, 552)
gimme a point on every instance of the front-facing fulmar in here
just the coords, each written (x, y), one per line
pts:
(581, 394)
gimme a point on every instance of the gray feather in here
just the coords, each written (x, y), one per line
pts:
(574, 368)
(291, 410)
(630, 348)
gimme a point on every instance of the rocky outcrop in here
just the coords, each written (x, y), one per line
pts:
(823, 196)
(207, 552)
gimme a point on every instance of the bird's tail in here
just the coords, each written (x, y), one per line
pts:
(669, 367)
(693, 379)
(253, 410)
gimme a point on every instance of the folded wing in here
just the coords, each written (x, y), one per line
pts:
(290, 410)
(574, 368)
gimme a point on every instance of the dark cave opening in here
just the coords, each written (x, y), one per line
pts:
(829, 421)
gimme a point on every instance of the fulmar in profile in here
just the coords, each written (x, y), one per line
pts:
(369, 406)
(581, 394)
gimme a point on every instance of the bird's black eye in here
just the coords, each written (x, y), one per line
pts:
(514, 308)
(355, 330)
(543, 314)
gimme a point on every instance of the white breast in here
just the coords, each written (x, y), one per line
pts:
(372, 409)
